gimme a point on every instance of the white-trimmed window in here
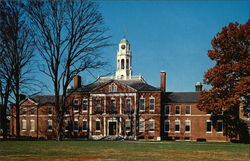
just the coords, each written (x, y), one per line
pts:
(85, 105)
(128, 125)
(66, 123)
(141, 125)
(187, 126)
(98, 105)
(188, 110)
(128, 105)
(98, 125)
(167, 126)
(151, 104)
(75, 125)
(32, 125)
(219, 126)
(142, 104)
(23, 111)
(84, 125)
(49, 127)
(151, 125)
(32, 111)
(50, 111)
(177, 125)
(209, 126)
(24, 125)
(177, 110)
(166, 109)
(113, 87)
(112, 106)
(76, 104)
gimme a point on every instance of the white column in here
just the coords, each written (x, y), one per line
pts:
(120, 105)
(120, 126)
(104, 124)
(135, 137)
(105, 104)
(90, 117)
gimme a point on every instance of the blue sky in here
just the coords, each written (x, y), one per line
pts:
(173, 36)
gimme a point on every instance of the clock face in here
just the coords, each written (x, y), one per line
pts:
(123, 46)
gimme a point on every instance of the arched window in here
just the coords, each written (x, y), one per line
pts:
(122, 65)
(127, 64)
(118, 64)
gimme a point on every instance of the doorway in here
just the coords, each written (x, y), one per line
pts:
(112, 128)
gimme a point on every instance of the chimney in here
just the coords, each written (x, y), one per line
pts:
(77, 81)
(198, 87)
(163, 81)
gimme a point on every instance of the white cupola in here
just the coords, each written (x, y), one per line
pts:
(123, 60)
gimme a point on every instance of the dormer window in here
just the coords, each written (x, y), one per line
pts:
(113, 87)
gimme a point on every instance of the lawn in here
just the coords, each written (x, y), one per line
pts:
(104, 150)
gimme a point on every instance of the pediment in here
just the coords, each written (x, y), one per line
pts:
(28, 101)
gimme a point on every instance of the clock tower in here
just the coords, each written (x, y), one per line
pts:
(123, 60)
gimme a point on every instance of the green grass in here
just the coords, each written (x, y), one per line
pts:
(101, 150)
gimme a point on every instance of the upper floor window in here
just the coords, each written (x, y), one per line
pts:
(24, 125)
(127, 64)
(128, 125)
(166, 109)
(23, 111)
(113, 87)
(166, 126)
(177, 110)
(141, 126)
(122, 64)
(50, 111)
(32, 111)
(142, 104)
(187, 126)
(188, 109)
(209, 126)
(152, 104)
(128, 105)
(219, 126)
(98, 106)
(49, 127)
(85, 105)
(112, 106)
(151, 125)
(76, 104)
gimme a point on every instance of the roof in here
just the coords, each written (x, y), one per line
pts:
(139, 85)
(182, 97)
(43, 99)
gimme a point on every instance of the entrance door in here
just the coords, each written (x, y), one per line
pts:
(112, 128)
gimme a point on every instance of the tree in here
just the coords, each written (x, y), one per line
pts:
(19, 51)
(69, 37)
(229, 78)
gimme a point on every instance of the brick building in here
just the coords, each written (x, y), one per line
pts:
(121, 106)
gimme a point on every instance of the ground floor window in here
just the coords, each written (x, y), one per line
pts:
(141, 126)
(219, 126)
(66, 125)
(24, 125)
(127, 125)
(177, 125)
(32, 125)
(166, 126)
(49, 127)
(209, 126)
(151, 125)
(187, 126)
(75, 125)
(97, 125)
(84, 125)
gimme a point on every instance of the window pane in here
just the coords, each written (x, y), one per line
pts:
(177, 109)
(112, 106)
(50, 111)
(75, 128)
(142, 105)
(49, 124)
(187, 126)
(188, 111)
(152, 104)
(167, 109)
(128, 104)
(151, 125)
(97, 125)
(84, 125)
(23, 112)
(177, 126)
(219, 126)
(66, 125)
(166, 127)
(209, 126)
(127, 125)
(24, 126)
(85, 105)
(141, 125)
(32, 111)
(32, 125)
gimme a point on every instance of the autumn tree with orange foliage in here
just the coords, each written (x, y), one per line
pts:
(229, 78)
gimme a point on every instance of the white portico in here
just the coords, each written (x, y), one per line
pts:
(124, 70)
